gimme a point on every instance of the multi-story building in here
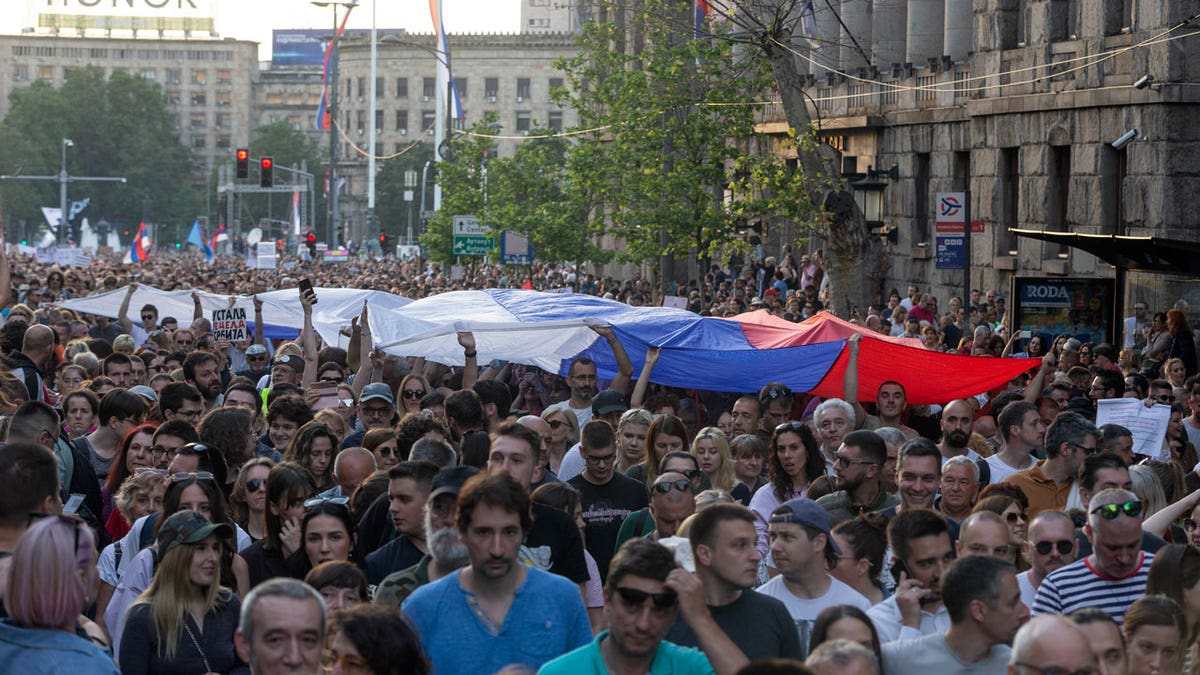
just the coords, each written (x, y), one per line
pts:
(1019, 102)
(208, 82)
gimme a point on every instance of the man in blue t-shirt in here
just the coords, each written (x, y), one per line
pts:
(496, 612)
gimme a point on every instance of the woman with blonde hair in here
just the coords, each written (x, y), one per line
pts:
(185, 621)
(123, 344)
(712, 452)
(564, 434)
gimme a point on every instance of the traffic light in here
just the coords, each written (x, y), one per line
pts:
(266, 172)
(383, 242)
(243, 163)
(311, 242)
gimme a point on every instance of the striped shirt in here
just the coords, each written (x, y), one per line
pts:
(1080, 585)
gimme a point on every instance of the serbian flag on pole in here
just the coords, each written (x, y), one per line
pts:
(444, 70)
(141, 245)
(700, 15)
(323, 121)
(219, 237)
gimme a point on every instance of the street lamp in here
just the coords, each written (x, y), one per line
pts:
(868, 195)
(410, 182)
(332, 93)
(62, 191)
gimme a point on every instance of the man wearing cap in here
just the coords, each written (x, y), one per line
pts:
(447, 552)
(258, 363)
(607, 496)
(803, 549)
(608, 405)
(287, 368)
(376, 409)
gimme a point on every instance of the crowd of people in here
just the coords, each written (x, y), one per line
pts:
(172, 503)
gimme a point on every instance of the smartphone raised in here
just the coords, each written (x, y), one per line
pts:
(306, 288)
(326, 395)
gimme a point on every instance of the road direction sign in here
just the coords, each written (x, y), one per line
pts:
(470, 238)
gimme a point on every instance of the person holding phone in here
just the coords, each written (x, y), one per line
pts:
(921, 554)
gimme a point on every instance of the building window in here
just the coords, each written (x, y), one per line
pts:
(920, 230)
(225, 98)
(401, 87)
(46, 73)
(1113, 169)
(379, 93)
(522, 88)
(147, 74)
(1058, 194)
(402, 121)
(928, 82)
(360, 116)
(197, 120)
(378, 121)
(555, 83)
(224, 120)
(174, 97)
(524, 123)
(174, 76)
(199, 142)
(460, 84)
(174, 120)
(224, 142)
(198, 98)
(20, 72)
(428, 88)
(1010, 191)
(427, 120)
(224, 76)
(491, 87)
(200, 77)
(555, 121)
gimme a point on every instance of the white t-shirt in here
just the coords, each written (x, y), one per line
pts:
(1001, 470)
(1028, 590)
(1193, 434)
(572, 464)
(584, 415)
(804, 611)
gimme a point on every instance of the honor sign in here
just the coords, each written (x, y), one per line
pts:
(159, 15)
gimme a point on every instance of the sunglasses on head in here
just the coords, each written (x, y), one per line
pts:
(255, 484)
(682, 484)
(1111, 511)
(317, 501)
(417, 394)
(635, 599)
(1064, 546)
(146, 469)
(789, 426)
(191, 475)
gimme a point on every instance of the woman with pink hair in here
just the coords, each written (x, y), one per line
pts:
(54, 570)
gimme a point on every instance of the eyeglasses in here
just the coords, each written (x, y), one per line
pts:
(557, 424)
(372, 411)
(779, 392)
(317, 501)
(1086, 450)
(1111, 511)
(1055, 670)
(345, 403)
(635, 599)
(256, 357)
(388, 451)
(338, 380)
(148, 317)
(1190, 524)
(191, 475)
(602, 459)
(255, 484)
(1064, 546)
(846, 461)
(193, 449)
(683, 485)
(416, 394)
(1014, 518)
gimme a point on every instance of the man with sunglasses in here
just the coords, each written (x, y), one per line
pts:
(1114, 575)
(496, 612)
(258, 363)
(672, 500)
(376, 410)
(858, 468)
(803, 550)
(644, 594)
(1049, 483)
(607, 496)
(1049, 545)
(148, 314)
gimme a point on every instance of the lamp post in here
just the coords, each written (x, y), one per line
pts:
(332, 92)
(868, 195)
(410, 182)
(62, 191)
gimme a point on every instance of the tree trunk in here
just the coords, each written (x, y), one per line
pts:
(854, 258)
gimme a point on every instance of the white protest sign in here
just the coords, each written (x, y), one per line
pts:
(674, 301)
(1148, 424)
(229, 324)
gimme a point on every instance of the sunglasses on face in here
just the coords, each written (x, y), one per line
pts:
(635, 599)
(417, 394)
(148, 317)
(1014, 518)
(557, 424)
(1064, 547)
(1190, 525)
(388, 451)
(254, 485)
(683, 485)
(1111, 511)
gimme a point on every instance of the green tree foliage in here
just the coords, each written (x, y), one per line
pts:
(461, 175)
(120, 127)
(390, 207)
(674, 115)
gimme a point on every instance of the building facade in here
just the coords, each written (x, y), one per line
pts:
(1019, 102)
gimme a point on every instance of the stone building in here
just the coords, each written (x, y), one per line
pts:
(1020, 102)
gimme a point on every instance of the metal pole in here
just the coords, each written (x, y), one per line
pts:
(371, 130)
(62, 193)
(967, 251)
(334, 220)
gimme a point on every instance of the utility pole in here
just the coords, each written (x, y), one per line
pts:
(62, 178)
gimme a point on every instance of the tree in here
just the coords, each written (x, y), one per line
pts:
(461, 175)
(390, 207)
(673, 115)
(120, 126)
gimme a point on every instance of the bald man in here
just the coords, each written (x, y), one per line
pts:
(1050, 642)
(540, 427)
(29, 364)
(671, 501)
(350, 468)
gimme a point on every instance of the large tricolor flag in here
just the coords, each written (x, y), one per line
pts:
(323, 121)
(196, 238)
(444, 69)
(700, 15)
(219, 237)
(140, 250)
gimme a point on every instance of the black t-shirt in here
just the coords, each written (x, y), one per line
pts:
(604, 509)
(263, 564)
(554, 545)
(398, 554)
(758, 624)
(374, 528)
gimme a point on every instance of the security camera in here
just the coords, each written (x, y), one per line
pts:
(1125, 139)
(1143, 82)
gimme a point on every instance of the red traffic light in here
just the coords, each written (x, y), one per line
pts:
(266, 163)
(312, 238)
(266, 172)
(243, 162)
(383, 238)
(243, 155)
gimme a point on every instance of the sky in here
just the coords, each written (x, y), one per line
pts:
(254, 19)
